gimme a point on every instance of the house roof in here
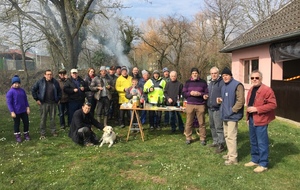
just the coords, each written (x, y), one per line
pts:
(283, 24)
(16, 54)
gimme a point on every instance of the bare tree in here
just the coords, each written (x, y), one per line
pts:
(17, 31)
(258, 10)
(62, 22)
(227, 14)
(176, 30)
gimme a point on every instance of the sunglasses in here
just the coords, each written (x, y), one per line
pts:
(252, 78)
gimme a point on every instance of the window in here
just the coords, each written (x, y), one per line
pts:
(249, 66)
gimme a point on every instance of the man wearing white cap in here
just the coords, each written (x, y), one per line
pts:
(102, 85)
(75, 87)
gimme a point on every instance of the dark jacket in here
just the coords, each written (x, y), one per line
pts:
(172, 90)
(80, 120)
(71, 84)
(39, 89)
(214, 91)
(64, 96)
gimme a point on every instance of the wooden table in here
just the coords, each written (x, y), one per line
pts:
(135, 113)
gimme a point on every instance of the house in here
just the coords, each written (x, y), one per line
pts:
(11, 59)
(273, 47)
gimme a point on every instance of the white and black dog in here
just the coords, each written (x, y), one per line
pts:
(109, 136)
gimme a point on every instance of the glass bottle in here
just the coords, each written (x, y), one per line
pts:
(178, 102)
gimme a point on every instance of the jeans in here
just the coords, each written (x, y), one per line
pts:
(173, 115)
(154, 118)
(143, 116)
(25, 120)
(216, 127)
(45, 109)
(259, 142)
(63, 109)
(167, 118)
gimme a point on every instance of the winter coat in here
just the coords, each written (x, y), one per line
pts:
(79, 120)
(121, 84)
(39, 89)
(16, 100)
(265, 102)
(71, 84)
(158, 85)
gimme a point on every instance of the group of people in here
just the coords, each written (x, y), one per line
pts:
(102, 94)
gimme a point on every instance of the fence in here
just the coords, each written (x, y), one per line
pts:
(287, 95)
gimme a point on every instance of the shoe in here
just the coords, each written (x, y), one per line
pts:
(26, 136)
(213, 145)
(260, 169)
(250, 164)
(122, 126)
(18, 138)
(54, 134)
(230, 162)
(62, 127)
(151, 128)
(220, 149)
(158, 128)
(225, 157)
(88, 144)
(42, 137)
(203, 143)
(188, 142)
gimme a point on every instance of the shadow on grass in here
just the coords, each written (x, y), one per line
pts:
(280, 150)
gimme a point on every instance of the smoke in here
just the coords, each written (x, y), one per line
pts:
(112, 39)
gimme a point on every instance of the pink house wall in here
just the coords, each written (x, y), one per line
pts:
(267, 68)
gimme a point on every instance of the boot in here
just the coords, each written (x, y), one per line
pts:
(26, 136)
(98, 119)
(18, 137)
(105, 121)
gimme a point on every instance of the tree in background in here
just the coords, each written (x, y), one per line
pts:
(63, 22)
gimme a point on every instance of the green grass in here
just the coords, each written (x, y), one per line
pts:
(163, 161)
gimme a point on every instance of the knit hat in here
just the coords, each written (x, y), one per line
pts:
(102, 68)
(144, 72)
(124, 68)
(165, 70)
(227, 71)
(156, 71)
(15, 79)
(194, 69)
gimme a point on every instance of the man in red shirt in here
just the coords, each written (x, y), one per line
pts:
(261, 104)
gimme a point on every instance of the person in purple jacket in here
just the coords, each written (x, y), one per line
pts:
(195, 92)
(17, 103)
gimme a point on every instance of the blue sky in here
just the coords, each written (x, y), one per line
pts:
(141, 10)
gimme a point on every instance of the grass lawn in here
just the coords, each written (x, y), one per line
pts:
(163, 161)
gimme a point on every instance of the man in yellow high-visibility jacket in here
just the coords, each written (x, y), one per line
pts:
(154, 88)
